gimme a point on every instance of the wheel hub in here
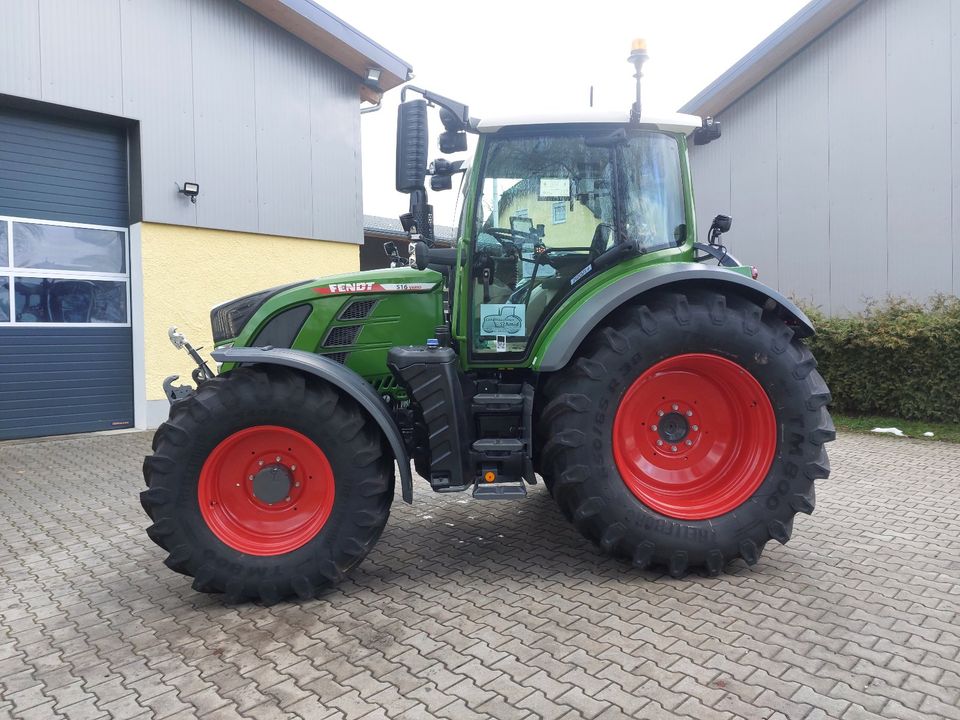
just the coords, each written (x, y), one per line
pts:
(673, 427)
(272, 484)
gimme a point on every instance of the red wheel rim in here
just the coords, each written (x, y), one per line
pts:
(694, 436)
(266, 490)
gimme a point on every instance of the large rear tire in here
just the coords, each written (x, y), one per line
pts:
(687, 432)
(266, 484)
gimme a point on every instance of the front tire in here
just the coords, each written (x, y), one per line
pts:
(687, 433)
(266, 484)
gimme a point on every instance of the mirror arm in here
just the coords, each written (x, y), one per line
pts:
(461, 111)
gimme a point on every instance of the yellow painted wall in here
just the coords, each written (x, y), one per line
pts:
(576, 231)
(186, 271)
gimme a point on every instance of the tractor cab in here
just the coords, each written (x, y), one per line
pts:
(551, 204)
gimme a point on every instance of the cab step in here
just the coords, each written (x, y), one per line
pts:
(498, 402)
(500, 491)
(498, 446)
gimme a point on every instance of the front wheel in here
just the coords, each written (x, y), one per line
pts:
(266, 484)
(687, 432)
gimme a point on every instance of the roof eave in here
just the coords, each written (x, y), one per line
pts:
(807, 25)
(337, 40)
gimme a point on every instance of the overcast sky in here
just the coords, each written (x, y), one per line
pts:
(506, 57)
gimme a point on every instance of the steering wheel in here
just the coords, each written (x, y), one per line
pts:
(505, 236)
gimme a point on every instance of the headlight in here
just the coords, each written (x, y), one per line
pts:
(228, 320)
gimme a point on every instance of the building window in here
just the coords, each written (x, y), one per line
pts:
(559, 213)
(63, 274)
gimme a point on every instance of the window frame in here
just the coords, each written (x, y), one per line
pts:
(562, 206)
(10, 272)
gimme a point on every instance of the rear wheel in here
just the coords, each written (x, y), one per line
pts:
(266, 484)
(687, 433)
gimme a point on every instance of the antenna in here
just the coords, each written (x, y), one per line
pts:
(591, 96)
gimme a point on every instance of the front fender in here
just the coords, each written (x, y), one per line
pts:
(343, 378)
(564, 341)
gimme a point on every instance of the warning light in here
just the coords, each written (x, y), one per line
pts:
(489, 476)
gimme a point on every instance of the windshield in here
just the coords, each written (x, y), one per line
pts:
(550, 205)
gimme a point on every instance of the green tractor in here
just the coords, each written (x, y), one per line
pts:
(576, 332)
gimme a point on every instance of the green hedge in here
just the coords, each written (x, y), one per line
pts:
(898, 358)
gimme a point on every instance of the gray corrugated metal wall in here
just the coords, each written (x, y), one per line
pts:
(842, 168)
(268, 126)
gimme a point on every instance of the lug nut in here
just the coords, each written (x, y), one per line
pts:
(689, 413)
(293, 467)
(296, 484)
(689, 442)
(278, 458)
(675, 406)
(659, 413)
(250, 477)
(238, 484)
(653, 427)
(673, 447)
(659, 442)
(261, 463)
(286, 499)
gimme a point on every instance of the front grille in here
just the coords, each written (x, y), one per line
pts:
(357, 310)
(342, 336)
(339, 357)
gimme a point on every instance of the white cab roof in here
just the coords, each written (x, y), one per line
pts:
(669, 122)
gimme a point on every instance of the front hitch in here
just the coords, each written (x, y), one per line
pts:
(199, 374)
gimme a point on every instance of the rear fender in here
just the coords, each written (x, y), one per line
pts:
(665, 276)
(341, 377)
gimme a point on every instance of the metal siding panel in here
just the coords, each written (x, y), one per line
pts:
(283, 133)
(20, 49)
(856, 53)
(80, 54)
(335, 143)
(918, 131)
(55, 169)
(753, 181)
(955, 144)
(802, 176)
(224, 35)
(64, 380)
(158, 90)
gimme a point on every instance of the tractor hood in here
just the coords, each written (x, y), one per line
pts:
(352, 319)
(231, 320)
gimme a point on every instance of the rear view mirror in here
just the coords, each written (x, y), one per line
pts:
(390, 249)
(412, 142)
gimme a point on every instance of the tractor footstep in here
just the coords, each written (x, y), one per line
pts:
(500, 492)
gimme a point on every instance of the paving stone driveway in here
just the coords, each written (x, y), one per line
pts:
(469, 609)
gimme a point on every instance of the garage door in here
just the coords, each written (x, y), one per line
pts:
(66, 362)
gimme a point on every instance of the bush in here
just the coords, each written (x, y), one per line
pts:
(897, 358)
